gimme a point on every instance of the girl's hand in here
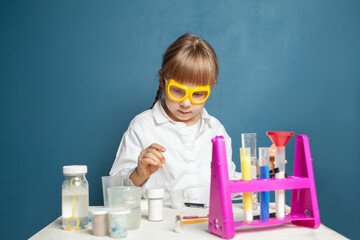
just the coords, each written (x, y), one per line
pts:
(149, 161)
(272, 157)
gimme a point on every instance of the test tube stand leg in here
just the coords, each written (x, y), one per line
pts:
(221, 221)
(304, 204)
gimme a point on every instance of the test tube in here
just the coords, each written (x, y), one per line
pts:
(280, 194)
(264, 174)
(248, 140)
(246, 176)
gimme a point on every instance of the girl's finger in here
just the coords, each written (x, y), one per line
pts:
(157, 147)
(157, 154)
(151, 155)
(149, 161)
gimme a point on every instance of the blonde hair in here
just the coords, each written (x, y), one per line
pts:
(190, 60)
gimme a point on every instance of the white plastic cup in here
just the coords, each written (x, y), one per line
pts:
(99, 221)
(155, 198)
(110, 181)
(176, 198)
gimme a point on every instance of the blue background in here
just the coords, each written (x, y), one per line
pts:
(74, 73)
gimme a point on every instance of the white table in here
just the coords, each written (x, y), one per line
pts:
(198, 231)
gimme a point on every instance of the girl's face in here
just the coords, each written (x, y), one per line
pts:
(184, 111)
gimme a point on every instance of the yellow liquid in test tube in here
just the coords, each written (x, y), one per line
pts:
(246, 176)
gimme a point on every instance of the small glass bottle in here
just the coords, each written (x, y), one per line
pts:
(178, 224)
(75, 198)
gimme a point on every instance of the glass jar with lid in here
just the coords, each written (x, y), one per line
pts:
(75, 198)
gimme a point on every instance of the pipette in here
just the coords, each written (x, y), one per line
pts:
(246, 176)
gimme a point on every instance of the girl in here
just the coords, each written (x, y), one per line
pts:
(169, 145)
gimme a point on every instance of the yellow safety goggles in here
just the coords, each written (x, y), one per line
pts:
(179, 92)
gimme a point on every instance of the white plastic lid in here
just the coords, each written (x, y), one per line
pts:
(74, 169)
(119, 211)
(99, 211)
(155, 193)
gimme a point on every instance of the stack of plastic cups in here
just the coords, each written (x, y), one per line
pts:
(246, 176)
(264, 174)
(248, 140)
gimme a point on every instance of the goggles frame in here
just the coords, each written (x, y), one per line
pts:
(188, 91)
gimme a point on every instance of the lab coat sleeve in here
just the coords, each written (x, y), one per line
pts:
(127, 156)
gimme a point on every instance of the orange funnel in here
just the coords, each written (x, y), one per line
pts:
(280, 139)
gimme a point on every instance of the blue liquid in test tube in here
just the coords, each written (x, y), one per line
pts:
(264, 174)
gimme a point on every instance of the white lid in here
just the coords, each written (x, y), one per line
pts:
(119, 211)
(74, 169)
(155, 193)
(98, 211)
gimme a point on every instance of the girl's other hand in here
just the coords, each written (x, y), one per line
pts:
(149, 161)
(272, 157)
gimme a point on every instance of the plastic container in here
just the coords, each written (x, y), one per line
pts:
(118, 222)
(127, 197)
(99, 221)
(155, 198)
(75, 198)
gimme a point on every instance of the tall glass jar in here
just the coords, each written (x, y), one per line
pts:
(75, 198)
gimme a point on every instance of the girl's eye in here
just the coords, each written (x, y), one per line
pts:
(198, 94)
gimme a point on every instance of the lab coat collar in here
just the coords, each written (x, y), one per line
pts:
(161, 117)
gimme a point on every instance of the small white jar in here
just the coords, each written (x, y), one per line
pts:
(155, 198)
(99, 221)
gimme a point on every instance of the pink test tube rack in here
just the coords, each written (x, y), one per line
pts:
(304, 205)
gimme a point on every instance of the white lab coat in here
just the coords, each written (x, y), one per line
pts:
(188, 158)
